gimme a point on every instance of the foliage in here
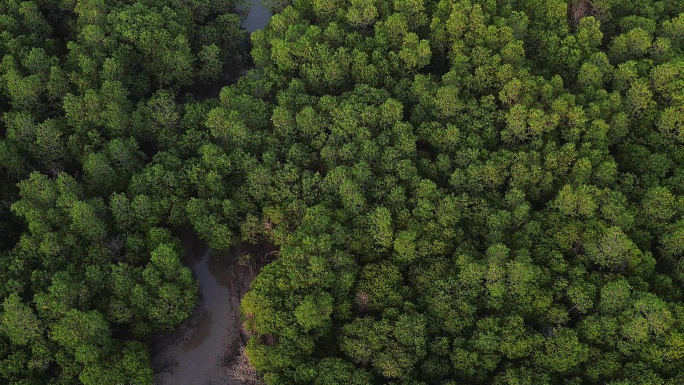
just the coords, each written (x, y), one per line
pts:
(469, 191)
(495, 186)
(92, 96)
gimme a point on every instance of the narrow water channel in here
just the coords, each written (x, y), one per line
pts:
(258, 16)
(198, 351)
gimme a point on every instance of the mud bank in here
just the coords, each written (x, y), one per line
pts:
(201, 350)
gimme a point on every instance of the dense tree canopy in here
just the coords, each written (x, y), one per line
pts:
(462, 191)
(482, 192)
(94, 105)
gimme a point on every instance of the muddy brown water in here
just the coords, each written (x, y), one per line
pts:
(201, 349)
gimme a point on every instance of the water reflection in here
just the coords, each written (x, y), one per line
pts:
(201, 331)
(220, 268)
(258, 16)
(197, 353)
(203, 349)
